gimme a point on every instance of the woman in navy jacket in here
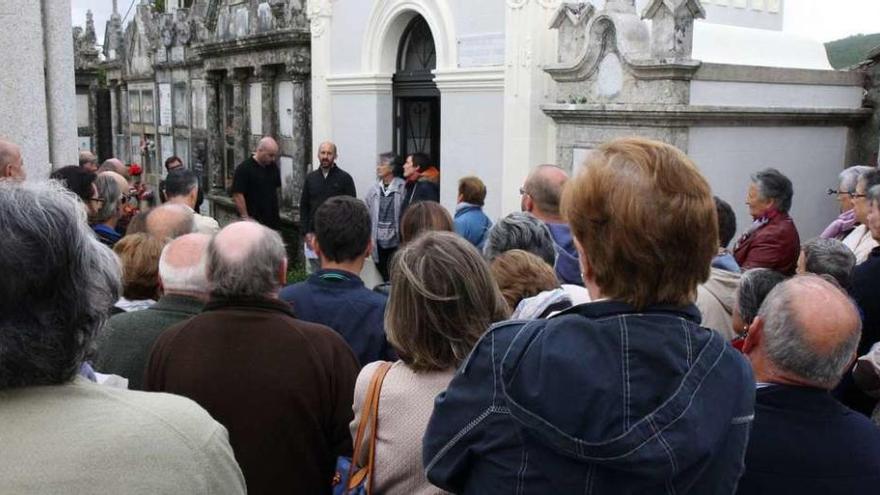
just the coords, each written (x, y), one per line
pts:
(627, 394)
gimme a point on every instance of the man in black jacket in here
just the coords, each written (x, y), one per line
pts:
(327, 181)
(802, 440)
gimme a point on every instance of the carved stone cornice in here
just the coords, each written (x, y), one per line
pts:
(547, 4)
(649, 115)
(285, 39)
(319, 14)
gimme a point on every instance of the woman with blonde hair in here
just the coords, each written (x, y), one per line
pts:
(443, 300)
(626, 394)
(526, 280)
(139, 255)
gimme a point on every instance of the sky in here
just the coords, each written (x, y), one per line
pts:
(823, 20)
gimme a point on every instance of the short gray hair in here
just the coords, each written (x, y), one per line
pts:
(254, 275)
(754, 285)
(873, 194)
(57, 287)
(520, 230)
(774, 185)
(789, 349)
(109, 195)
(829, 257)
(193, 278)
(849, 177)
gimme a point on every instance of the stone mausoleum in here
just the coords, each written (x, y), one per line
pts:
(490, 88)
(204, 81)
(494, 88)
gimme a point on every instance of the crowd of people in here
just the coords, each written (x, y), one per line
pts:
(590, 343)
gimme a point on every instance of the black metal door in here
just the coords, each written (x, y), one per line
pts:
(418, 127)
(416, 98)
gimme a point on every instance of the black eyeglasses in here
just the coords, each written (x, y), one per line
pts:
(832, 192)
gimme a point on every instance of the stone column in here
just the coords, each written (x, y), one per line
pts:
(528, 138)
(60, 93)
(240, 120)
(267, 75)
(124, 153)
(213, 125)
(302, 135)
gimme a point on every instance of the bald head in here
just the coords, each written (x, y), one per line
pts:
(120, 180)
(88, 161)
(11, 166)
(170, 221)
(809, 330)
(327, 154)
(183, 265)
(543, 192)
(246, 259)
(267, 151)
(114, 165)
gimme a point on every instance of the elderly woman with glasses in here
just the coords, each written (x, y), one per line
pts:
(860, 241)
(846, 222)
(772, 240)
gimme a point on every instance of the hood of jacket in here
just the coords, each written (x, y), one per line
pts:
(430, 174)
(723, 285)
(568, 267)
(659, 397)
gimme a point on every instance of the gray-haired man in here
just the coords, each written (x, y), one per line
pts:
(125, 344)
(803, 441)
(283, 387)
(60, 432)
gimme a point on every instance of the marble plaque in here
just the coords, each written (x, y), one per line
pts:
(167, 145)
(178, 54)
(255, 102)
(481, 50)
(165, 109)
(181, 106)
(285, 108)
(82, 110)
(288, 181)
(199, 106)
(578, 159)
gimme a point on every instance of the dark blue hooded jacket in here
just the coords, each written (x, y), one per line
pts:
(600, 398)
(339, 300)
(568, 267)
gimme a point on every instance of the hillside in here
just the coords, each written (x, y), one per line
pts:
(847, 52)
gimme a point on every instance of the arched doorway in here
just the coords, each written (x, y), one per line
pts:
(416, 98)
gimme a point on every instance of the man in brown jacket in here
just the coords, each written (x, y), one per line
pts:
(283, 387)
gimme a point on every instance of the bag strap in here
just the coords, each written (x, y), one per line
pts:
(381, 372)
(369, 413)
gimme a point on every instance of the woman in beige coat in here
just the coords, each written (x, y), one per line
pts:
(443, 300)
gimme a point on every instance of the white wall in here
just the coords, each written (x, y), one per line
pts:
(810, 156)
(357, 120)
(775, 95)
(348, 26)
(472, 144)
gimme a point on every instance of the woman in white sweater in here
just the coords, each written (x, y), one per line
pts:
(442, 301)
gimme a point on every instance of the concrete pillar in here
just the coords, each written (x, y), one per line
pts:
(60, 83)
(266, 75)
(528, 133)
(39, 31)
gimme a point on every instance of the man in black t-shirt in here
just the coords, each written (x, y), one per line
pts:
(257, 185)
